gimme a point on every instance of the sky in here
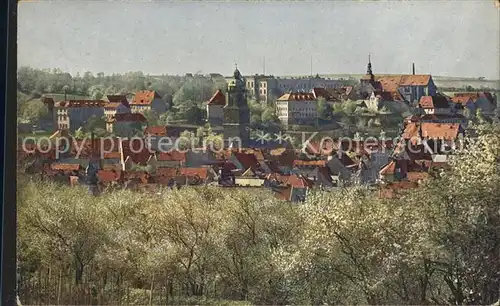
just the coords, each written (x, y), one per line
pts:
(445, 38)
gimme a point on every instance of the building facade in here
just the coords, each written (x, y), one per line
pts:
(147, 100)
(215, 109)
(297, 108)
(72, 114)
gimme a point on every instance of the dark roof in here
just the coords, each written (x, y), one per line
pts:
(433, 102)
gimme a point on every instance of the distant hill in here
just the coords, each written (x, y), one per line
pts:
(441, 81)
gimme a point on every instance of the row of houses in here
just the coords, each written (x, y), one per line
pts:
(73, 114)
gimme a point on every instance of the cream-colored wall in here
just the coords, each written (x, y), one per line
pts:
(248, 181)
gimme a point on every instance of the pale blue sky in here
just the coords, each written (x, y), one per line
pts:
(451, 38)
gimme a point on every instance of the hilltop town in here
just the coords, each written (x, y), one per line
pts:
(270, 117)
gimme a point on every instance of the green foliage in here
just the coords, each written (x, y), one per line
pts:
(324, 109)
(94, 123)
(34, 110)
(152, 117)
(434, 245)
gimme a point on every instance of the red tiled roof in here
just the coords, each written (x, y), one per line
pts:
(475, 95)
(156, 131)
(462, 99)
(173, 155)
(144, 97)
(65, 167)
(109, 175)
(416, 176)
(317, 163)
(298, 181)
(108, 145)
(112, 155)
(169, 172)
(433, 102)
(448, 131)
(218, 98)
(81, 103)
(389, 83)
(133, 149)
(202, 173)
(195, 172)
(411, 132)
(294, 180)
(297, 96)
(415, 80)
(283, 193)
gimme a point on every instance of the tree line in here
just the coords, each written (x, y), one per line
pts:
(437, 244)
(183, 95)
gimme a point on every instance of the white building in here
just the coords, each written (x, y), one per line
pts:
(147, 100)
(117, 104)
(297, 108)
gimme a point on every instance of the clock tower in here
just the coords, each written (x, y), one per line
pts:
(236, 113)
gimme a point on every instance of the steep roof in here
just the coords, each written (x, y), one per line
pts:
(138, 152)
(247, 160)
(447, 131)
(173, 155)
(415, 80)
(462, 100)
(144, 97)
(428, 102)
(319, 92)
(297, 96)
(411, 131)
(117, 99)
(218, 98)
(156, 131)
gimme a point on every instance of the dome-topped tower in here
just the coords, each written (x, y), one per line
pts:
(236, 74)
(236, 113)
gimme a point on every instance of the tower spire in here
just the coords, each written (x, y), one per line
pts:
(369, 69)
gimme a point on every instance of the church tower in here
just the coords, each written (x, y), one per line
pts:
(369, 73)
(236, 113)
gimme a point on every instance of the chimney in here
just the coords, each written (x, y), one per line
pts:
(413, 68)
